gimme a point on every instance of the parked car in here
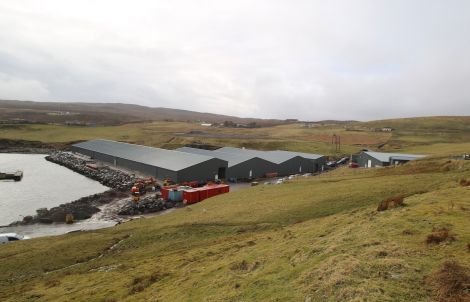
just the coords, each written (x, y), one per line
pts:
(9, 237)
(353, 165)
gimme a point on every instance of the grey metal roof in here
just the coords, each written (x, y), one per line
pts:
(386, 157)
(277, 156)
(232, 157)
(301, 154)
(167, 159)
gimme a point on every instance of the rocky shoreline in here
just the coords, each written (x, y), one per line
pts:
(80, 209)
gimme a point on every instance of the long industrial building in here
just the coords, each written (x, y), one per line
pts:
(156, 162)
(190, 164)
(246, 163)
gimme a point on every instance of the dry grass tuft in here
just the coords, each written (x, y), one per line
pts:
(239, 266)
(140, 283)
(439, 236)
(451, 283)
(390, 203)
(244, 266)
(464, 182)
(408, 232)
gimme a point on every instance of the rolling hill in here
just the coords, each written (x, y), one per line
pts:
(108, 113)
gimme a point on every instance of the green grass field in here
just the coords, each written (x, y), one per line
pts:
(169, 135)
(311, 239)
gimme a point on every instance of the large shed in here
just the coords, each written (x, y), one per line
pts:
(156, 162)
(240, 165)
(247, 163)
(369, 159)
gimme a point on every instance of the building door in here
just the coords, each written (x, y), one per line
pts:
(300, 169)
(221, 173)
(250, 174)
(369, 163)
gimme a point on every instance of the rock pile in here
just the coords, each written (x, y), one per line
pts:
(82, 208)
(148, 204)
(106, 176)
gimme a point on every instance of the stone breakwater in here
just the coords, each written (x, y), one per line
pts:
(106, 176)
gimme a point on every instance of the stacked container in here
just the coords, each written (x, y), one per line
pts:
(199, 194)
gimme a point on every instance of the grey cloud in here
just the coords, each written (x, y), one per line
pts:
(284, 59)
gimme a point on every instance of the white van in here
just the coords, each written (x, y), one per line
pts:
(9, 237)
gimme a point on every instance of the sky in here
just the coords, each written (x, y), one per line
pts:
(305, 59)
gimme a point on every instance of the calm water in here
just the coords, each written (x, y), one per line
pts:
(44, 185)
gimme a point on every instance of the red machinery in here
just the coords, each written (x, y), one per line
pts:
(141, 186)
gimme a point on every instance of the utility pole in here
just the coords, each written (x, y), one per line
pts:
(336, 143)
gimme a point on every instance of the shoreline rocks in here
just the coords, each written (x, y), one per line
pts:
(146, 205)
(81, 209)
(106, 176)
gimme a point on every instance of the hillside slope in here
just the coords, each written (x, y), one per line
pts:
(431, 135)
(311, 239)
(109, 113)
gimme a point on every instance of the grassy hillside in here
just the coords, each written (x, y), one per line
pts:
(312, 239)
(431, 135)
(109, 113)
(176, 134)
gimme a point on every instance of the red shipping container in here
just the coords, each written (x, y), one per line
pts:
(203, 194)
(199, 194)
(191, 196)
(211, 191)
(225, 188)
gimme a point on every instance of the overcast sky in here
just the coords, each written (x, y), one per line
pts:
(301, 59)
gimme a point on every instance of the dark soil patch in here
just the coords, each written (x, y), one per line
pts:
(439, 236)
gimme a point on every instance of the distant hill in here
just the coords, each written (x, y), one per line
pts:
(109, 113)
(430, 123)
